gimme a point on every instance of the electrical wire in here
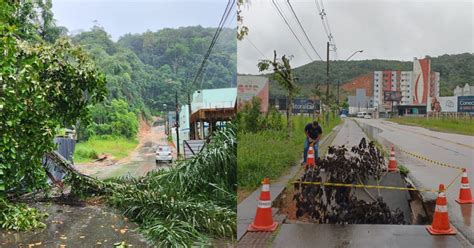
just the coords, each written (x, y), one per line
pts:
(291, 29)
(225, 16)
(301, 26)
(325, 22)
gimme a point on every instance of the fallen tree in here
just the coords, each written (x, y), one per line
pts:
(338, 205)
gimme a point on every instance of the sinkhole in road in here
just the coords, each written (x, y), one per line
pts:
(308, 201)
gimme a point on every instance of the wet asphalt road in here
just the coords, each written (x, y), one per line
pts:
(142, 160)
(76, 226)
(452, 149)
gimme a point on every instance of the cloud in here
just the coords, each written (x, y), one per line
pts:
(397, 30)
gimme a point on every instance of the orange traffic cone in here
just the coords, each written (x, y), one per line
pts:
(392, 163)
(263, 221)
(310, 159)
(440, 225)
(465, 195)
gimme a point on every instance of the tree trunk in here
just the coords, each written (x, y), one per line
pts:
(289, 122)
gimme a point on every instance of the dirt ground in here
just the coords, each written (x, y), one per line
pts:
(139, 162)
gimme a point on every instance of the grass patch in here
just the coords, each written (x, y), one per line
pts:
(270, 154)
(459, 126)
(89, 150)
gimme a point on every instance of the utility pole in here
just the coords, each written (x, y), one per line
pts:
(327, 72)
(177, 123)
(338, 82)
(191, 127)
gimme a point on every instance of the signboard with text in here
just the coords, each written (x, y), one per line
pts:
(392, 96)
(466, 104)
(305, 106)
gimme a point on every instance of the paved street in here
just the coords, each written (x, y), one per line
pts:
(138, 163)
(453, 149)
(325, 235)
(349, 135)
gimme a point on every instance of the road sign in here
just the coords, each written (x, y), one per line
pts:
(466, 104)
(392, 96)
(304, 106)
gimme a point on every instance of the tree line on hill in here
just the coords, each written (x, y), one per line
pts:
(457, 69)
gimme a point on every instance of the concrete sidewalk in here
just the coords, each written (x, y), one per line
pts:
(247, 208)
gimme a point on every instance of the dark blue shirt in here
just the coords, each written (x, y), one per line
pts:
(313, 132)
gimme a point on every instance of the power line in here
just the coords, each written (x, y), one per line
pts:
(256, 48)
(289, 26)
(301, 26)
(325, 22)
(215, 41)
(225, 15)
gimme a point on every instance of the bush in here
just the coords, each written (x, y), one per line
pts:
(84, 154)
(116, 118)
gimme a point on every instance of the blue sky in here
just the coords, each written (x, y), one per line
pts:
(126, 16)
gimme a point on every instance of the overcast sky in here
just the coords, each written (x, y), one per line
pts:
(384, 29)
(119, 17)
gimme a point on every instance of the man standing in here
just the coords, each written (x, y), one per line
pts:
(313, 133)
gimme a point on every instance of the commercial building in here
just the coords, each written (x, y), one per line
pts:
(467, 90)
(210, 109)
(360, 102)
(411, 92)
(250, 86)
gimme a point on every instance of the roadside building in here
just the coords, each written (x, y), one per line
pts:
(250, 86)
(409, 92)
(210, 110)
(467, 90)
(360, 102)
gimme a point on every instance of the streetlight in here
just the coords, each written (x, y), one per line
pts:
(358, 51)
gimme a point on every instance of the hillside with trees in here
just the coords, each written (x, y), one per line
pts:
(454, 70)
(146, 70)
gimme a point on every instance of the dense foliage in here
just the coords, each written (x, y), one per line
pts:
(20, 217)
(454, 70)
(146, 70)
(116, 118)
(185, 205)
(44, 86)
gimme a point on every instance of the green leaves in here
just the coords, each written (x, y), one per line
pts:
(42, 86)
(189, 203)
(19, 217)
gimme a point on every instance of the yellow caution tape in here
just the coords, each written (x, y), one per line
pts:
(431, 160)
(452, 181)
(365, 186)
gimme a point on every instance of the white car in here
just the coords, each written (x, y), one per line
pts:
(361, 114)
(164, 154)
(368, 116)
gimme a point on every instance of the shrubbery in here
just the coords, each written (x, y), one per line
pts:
(116, 118)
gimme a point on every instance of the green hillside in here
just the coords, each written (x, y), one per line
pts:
(454, 70)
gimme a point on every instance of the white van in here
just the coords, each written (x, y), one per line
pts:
(361, 114)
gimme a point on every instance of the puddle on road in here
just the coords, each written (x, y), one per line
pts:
(73, 226)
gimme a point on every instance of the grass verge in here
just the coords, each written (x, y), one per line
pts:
(270, 154)
(458, 126)
(89, 150)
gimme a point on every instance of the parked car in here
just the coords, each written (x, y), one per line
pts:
(361, 114)
(164, 154)
(368, 116)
